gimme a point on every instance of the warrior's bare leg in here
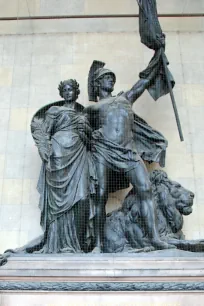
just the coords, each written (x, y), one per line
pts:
(139, 178)
(101, 199)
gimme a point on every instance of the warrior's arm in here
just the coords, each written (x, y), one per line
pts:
(84, 130)
(135, 92)
(92, 113)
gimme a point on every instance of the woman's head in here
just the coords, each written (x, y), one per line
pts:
(69, 90)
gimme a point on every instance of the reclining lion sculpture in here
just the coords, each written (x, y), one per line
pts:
(125, 227)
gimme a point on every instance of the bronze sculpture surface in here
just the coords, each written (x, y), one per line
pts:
(124, 227)
(114, 149)
(67, 178)
(88, 152)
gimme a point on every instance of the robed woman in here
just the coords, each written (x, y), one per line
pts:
(67, 179)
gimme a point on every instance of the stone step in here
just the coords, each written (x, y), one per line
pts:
(171, 264)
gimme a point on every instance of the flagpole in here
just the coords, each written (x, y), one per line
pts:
(148, 12)
(172, 97)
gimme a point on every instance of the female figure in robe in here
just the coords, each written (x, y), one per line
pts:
(67, 179)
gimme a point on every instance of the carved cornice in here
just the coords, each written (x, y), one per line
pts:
(101, 286)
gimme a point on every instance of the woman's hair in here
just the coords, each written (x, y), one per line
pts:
(70, 82)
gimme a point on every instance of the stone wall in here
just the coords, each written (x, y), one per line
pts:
(25, 8)
(103, 299)
(71, 7)
(31, 67)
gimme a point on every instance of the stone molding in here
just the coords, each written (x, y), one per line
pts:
(106, 25)
(101, 286)
(103, 272)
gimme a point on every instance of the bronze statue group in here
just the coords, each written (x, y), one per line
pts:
(88, 152)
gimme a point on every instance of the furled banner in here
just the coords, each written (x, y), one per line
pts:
(152, 36)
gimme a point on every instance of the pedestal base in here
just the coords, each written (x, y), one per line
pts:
(168, 265)
(179, 273)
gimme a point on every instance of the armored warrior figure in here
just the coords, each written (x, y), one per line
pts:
(114, 150)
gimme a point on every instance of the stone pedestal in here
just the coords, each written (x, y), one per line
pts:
(175, 277)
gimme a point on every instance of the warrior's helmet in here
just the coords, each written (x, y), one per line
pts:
(96, 71)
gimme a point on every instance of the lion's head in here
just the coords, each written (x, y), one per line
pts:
(172, 201)
(183, 198)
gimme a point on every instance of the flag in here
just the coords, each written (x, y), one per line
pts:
(152, 36)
